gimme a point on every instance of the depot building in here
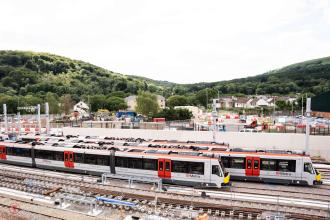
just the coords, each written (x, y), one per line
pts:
(321, 105)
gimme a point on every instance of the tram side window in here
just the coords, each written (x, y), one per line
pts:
(267, 164)
(286, 165)
(179, 166)
(308, 168)
(90, 159)
(102, 160)
(44, 154)
(225, 161)
(149, 164)
(188, 167)
(121, 162)
(58, 155)
(78, 158)
(20, 152)
(196, 168)
(216, 170)
(135, 163)
(237, 163)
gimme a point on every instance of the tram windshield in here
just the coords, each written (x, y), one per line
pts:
(222, 168)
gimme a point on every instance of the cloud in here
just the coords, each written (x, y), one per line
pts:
(180, 41)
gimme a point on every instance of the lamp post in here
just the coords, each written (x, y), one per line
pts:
(5, 117)
(302, 105)
(308, 112)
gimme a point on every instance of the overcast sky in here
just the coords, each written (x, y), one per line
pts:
(178, 41)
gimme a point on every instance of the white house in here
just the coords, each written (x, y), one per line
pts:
(82, 108)
(257, 102)
(241, 102)
(262, 103)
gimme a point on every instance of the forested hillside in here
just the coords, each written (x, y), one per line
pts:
(27, 78)
(37, 73)
(307, 77)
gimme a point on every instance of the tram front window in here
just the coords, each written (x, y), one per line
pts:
(308, 168)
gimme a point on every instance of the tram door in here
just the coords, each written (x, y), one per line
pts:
(68, 159)
(252, 166)
(3, 153)
(164, 168)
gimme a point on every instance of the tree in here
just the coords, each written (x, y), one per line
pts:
(30, 100)
(97, 102)
(281, 105)
(171, 114)
(146, 103)
(10, 101)
(177, 100)
(115, 104)
(66, 103)
(120, 94)
(205, 96)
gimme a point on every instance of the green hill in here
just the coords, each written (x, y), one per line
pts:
(37, 73)
(306, 77)
(24, 73)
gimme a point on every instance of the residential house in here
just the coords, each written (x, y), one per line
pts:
(224, 102)
(241, 102)
(257, 102)
(161, 101)
(82, 108)
(262, 103)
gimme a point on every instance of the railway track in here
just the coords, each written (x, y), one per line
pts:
(22, 214)
(317, 192)
(44, 183)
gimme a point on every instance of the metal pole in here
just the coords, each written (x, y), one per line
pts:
(274, 107)
(47, 117)
(302, 106)
(38, 118)
(308, 112)
(5, 117)
(207, 99)
(19, 123)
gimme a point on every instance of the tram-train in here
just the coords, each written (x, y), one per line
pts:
(284, 167)
(273, 166)
(270, 167)
(201, 171)
(267, 166)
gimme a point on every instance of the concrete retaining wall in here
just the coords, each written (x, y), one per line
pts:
(319, 145)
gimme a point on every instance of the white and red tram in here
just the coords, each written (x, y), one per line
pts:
(265, 166)
(200, 171)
